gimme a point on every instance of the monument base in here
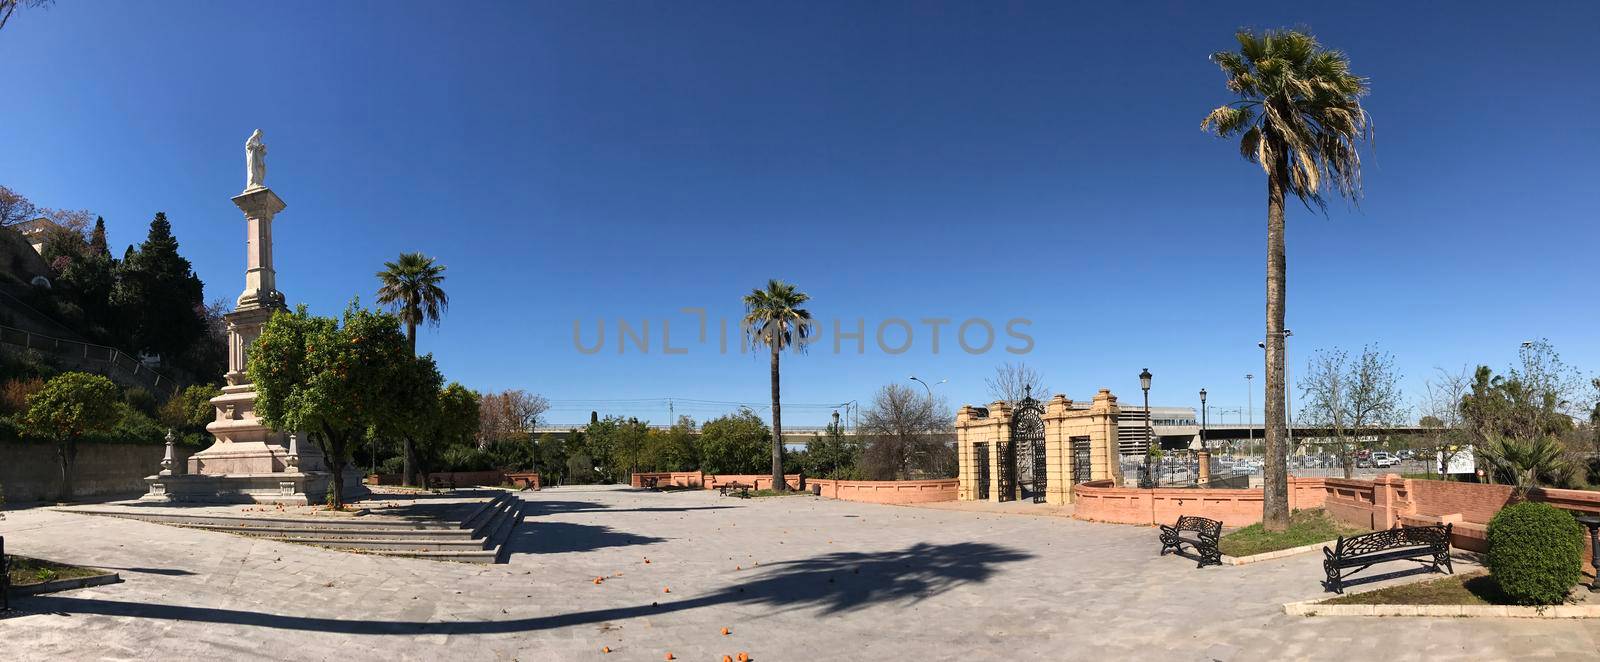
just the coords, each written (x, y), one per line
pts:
(286, 488)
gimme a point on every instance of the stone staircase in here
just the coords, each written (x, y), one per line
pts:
(480, 537)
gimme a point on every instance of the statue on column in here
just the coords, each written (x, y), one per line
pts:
(255, 159)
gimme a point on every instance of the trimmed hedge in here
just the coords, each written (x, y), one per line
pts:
(1535, 552)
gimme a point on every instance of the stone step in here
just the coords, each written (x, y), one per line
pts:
(388, 544)
(345, 533)
(352, 523)
(479, 538)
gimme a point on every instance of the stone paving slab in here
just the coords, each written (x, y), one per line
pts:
(794, 578)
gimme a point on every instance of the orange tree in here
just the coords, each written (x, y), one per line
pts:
(69, 406)
(331, 380)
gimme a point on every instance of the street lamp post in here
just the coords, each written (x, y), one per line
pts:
(1250, 404)
(1147, 480)
(1288, 391)
(926, 386)
(1204, 470)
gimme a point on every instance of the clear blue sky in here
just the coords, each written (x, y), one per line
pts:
(588, 160)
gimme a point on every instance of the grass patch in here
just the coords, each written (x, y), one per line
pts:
(1471, 589)
(1306, 527)
(773, 493)
(24, 570)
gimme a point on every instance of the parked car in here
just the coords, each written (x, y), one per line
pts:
(1383, 460)
(1407, 454)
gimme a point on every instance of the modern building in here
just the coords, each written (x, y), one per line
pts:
(36, 231)
(1173, 427)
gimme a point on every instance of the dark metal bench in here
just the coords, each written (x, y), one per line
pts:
(1199, 533)
(1426, 544)
(739, 489)
(442, 482)
(648, 482)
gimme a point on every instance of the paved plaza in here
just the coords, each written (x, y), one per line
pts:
(792, 578)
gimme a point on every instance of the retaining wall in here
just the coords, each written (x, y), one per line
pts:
(1103, 501)
(460, 478)
(867, 491)
(30, 472)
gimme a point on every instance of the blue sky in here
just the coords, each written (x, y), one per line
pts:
(596, 160)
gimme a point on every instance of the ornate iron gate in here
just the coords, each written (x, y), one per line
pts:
(980, 454)
(1080, 460)
(1027, 444)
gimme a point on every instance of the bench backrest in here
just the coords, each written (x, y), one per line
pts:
(1404, 536)
(1197, 523)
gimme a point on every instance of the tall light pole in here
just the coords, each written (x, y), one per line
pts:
(1203, 471)
(1149, 430)
(1288, 388)
(1249, 398)
(926, 386)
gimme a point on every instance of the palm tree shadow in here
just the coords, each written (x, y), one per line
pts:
(833, 583)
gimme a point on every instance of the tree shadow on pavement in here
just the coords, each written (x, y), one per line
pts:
(832, 583)
(557, 537)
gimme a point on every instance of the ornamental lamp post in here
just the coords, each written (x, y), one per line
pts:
(1203, 471)
(1147, 480)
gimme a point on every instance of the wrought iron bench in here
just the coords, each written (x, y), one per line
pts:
(739, 489)
(1198, 533)
(1427, 544)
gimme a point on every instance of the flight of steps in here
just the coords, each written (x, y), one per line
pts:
(479, 538)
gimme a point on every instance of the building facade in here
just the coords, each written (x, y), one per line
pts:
(1033, 451)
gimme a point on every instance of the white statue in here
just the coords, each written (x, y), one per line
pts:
(255, 159)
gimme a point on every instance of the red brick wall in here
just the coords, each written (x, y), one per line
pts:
(888, 491)
(1101, 501)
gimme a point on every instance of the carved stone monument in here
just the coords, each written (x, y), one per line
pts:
(249, 461)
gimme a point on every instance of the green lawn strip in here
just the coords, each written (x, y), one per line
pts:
(1306, 527)
(1467, 589)
(24, 570)
(771, 493)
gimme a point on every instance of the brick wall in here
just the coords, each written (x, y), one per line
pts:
(888, 491)
(1102, 501)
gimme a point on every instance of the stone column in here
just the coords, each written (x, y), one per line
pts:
(1203, 456)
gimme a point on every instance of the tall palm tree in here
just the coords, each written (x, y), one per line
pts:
(1299, 117)
(773, 317)
(410, 286)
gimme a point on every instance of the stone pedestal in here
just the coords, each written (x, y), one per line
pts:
(1203, 457)
(250, 461)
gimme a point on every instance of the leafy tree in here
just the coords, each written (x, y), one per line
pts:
(70, 406)
(1299, 117)
(190, 411)
(158, 297)
(455, 421)
(773, 317)
(832, 454)
(672, 449)
(416, 406)
(332, 380)
(553, 457)
(734, 444)
(410, 287)
(580, 468)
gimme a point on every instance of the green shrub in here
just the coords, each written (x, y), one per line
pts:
(141, 400)
(1535, 552)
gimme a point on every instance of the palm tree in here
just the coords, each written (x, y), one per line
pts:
(1525, 463)
(410, 286)
(1299, 116)
(773, 317)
